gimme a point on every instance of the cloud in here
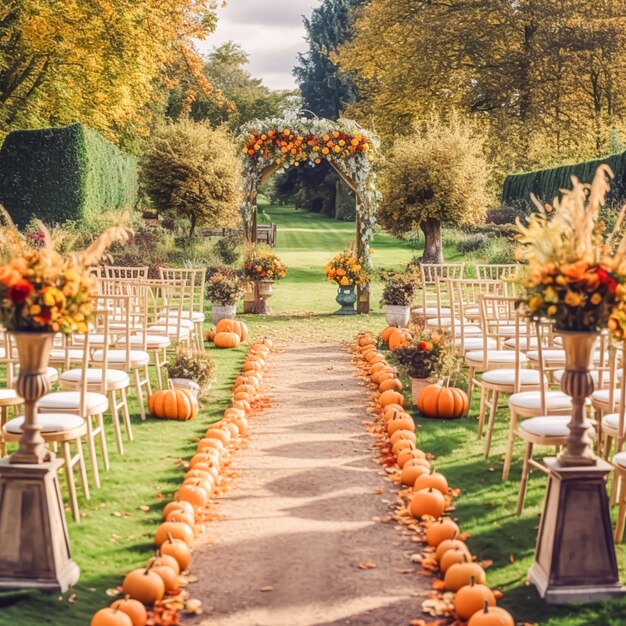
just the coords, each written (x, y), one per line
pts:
(270, 31)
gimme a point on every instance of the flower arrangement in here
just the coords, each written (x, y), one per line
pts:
(225, 287)
(43, 291)
(192, 365)
(430, 355)
(346, 269)
(260, 264)
(400, 289)
(576, 274)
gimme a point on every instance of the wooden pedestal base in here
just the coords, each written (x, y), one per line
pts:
(575, 559)
(34, 545)
(363, 299)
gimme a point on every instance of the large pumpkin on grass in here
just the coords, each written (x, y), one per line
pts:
(173, 404)
(491, 616)
(386, 333)
(232, 326)
(442, 402)
(111, 617)
(134, 609)
(227, 339)
(399, 338)
(144, 585)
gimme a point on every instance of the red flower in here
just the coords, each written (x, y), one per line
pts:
(20, 291)
(423, 345)
(606, 279)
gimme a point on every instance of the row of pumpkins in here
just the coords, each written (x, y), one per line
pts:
(227, 334)
(437, 401)
(146, 586)
(430, 496)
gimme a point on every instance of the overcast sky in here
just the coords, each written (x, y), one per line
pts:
(270, 31)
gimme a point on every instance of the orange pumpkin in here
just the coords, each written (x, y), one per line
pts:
(435, 480)
(461, 574)
(442, 402)
(390, 383)
(144, 585)
(440, 531)
(403, 444)
(450, 544)
(451, 557)
(399, 338)
(194, 494)
(409, 435)
(410, 472)
(181, 516)
(177, 549)
(209, 335)
(209, 457)
(367, 339)
(491, 616)
(177, 506)
(427, 502)
(472, 599)
(173, 404)
(386, 333)
(176, 530)
(134, 609)
(111, 617)
(207, 483)
(412, 456)
(164, 559)
(227, 340)
(169, 576)
(232, 326)
(400, 421)
(221, 434)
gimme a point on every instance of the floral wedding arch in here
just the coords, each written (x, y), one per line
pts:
(293, 140)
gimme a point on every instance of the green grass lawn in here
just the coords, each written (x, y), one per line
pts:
(115, 535)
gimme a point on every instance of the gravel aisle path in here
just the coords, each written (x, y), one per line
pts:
(299, 518)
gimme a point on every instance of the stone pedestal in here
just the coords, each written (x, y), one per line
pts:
(34, 543)
(250, 298)
(363, 299)
(575, 560)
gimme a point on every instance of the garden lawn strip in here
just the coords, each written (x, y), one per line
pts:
(301, 539)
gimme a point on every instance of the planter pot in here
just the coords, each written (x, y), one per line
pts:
(265, 288)
(346, 297)
(398, 315)
(223, 312)
(417, 384)
(186, 384)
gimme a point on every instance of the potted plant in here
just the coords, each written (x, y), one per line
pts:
(398, 296)
(347, 271)
(428, 359)
(263, 267)
(192, 370)
(224, 289)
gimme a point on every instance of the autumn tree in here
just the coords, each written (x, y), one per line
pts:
(101, 63)
(435, 176)
(192, 171)
(545, 80)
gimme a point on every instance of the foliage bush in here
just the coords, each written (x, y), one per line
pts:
(193, 365)
(430, 354)
(471, 243)
(500, 251)
(400, 289)
(63, 174)
(228, 248)
(191, 171)
(225, 286)
(438, 176)
(507, 214)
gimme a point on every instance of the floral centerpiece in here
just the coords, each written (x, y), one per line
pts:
(346, 269)
(191, 365)
(262, 264)
(573, 277)
(398, 296)
(224, 288)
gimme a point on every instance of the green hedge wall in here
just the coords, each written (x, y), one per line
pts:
(61, 174)
(545, 184)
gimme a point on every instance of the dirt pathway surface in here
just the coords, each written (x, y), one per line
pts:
(301, 515)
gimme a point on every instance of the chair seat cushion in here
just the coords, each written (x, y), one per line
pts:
(94, 376)
(95, 403)
(9, 397)
(154, 342)
(171, 331)
(620, 459)
(173, 321)
(443, 322)
(506, 376)
(429, 311)
(549, 356)
(531, 400)
(73, 354)
(611, 421)
(494, 356)
(137, 358)
(595, 375)
(547, 426)
(523, 344)
(474, 343)
(50, 423)
(601, 396)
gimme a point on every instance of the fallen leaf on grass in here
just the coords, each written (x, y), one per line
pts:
(366, 565)
(486, 564)
(71, 599)
(114, 591)
(144, 507)
(193, 607)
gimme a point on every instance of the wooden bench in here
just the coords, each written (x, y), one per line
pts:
(266, 233)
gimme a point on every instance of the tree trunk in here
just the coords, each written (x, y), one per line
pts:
(193, 218)
(433, 252)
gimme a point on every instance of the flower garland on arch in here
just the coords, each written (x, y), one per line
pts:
(295, 140)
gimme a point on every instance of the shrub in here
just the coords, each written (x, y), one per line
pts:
(506, 214)
(435, 177)
(400, 289)
(225, 286)
(193, 365)
(191, 171)
(61, 174)
(500, 251)
(229, 248)
(471, 243)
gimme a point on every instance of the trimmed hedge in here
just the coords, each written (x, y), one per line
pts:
(61, 174)
(545, 184)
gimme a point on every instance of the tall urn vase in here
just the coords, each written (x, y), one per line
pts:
(575, 559)
(34, 551)
(346, 297)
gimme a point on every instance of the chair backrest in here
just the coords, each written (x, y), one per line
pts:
(117, 271)
(499, 319)
(497, 271)
(431, 275)
(195, 282)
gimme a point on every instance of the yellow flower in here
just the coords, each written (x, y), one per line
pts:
(35, 309)
(552, 310)
(344, 281)
(573, 299)
(596, 298)
(535, 302)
